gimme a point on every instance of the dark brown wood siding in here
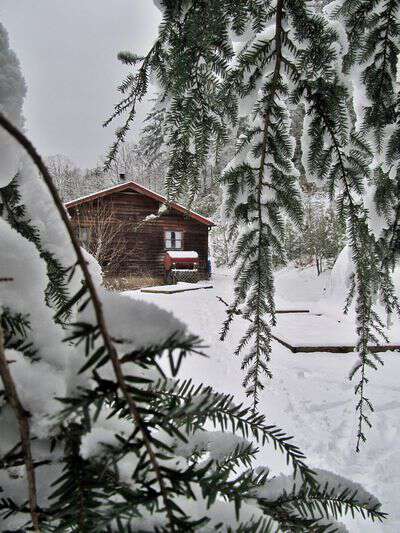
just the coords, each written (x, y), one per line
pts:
(145, 243)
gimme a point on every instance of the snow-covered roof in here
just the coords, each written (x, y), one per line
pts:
(146, 192)
(181, 254)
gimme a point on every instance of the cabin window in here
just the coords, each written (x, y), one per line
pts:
(173, 240)
(83, 235)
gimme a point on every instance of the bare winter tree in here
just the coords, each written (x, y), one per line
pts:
(102, 234)
(72, 182)
(66, 175)
(222, 246)
(321, 237)
(137, 164)
(95, 179)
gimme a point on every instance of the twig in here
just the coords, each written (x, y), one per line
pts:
(223, 301)
(234, 310)
(23, 423)
(97, 306)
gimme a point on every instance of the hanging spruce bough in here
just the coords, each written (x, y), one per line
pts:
(261, 186)
(188, 60)
(343, 162)
(372, 60)
(259, 59)
(366, 163)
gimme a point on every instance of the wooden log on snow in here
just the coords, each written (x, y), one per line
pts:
(174, 291)
(290, 311)
(335, 349)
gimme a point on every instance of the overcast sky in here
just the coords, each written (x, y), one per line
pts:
(68, 53)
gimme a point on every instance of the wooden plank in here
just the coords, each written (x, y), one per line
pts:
(336, 333)
(335, 349)
(174, 291)
(289, 311)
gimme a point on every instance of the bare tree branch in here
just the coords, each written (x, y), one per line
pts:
(105, 237)
(23, 423)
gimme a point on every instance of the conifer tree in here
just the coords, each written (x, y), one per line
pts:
(260, 58)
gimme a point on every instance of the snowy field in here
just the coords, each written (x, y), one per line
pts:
(310, 395)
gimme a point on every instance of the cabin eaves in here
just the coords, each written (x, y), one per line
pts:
(132, 185)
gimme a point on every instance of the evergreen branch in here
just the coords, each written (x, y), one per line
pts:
(338, 149)
(367, 273)
(271, 96)
(138, 91)
(23, 422)
(255, 273)
(373, 37)
(242, 455)
(394, 230)
(196, 404)
(392, 7)
(56, 291)
(232, 310)
(97, 306)
(323, 502)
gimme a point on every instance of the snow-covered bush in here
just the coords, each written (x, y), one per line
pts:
(97, 432)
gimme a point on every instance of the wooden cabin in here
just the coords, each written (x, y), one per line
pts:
(130, 229)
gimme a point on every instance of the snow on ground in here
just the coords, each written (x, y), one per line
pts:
(310, 395)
